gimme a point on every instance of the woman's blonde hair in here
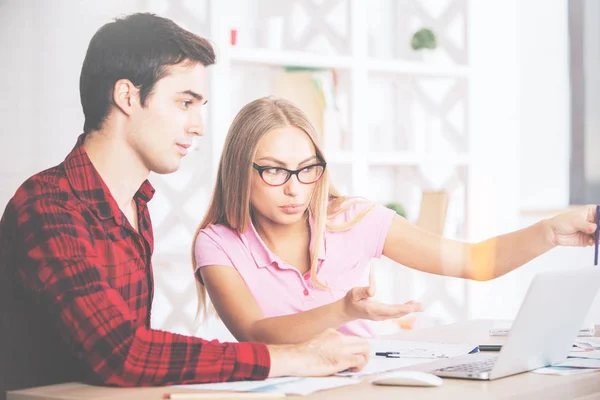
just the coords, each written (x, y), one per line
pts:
(230, 201)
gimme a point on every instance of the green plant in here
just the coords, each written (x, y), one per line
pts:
(424, 38)
(399, 208)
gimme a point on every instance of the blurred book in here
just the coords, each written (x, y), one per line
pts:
(432, 213)
(314, 91)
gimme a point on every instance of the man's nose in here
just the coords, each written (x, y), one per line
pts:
(196, 126)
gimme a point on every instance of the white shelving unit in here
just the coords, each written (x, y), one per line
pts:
(283, 58)
(358, 164)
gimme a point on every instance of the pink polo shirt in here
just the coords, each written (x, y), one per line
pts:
(280, 289)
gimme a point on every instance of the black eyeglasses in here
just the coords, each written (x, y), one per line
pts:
(276, 176)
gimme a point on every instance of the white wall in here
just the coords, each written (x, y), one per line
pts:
(494, 117)
(592, 94)
(544, 124)
(43, 44)
(19, 96)
(532, 112)
(544, 104)
(495, 128)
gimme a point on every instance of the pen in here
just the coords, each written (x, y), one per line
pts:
(223, 395)
(396, 354)
(596, 235)
(388, 354)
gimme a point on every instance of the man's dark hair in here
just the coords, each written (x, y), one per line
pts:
(139, 47)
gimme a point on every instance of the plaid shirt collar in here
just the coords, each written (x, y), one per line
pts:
(89, 186)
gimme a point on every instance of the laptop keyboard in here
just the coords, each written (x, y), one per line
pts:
(476, 366)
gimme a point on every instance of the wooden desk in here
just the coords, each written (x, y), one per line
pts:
(526, 385)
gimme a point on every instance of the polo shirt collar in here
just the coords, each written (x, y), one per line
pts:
(263, 256)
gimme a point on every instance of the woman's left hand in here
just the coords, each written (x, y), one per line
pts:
(574, 228)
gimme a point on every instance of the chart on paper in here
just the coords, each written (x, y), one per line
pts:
(407, 354)
(407, 349)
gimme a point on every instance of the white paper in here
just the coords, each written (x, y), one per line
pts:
(240, 386)
(306, 386)
(581, 363)
(410, 353)
(590, 343)
(571, 367)
(382, 364)
(287, 385)
(410, 349)
(563, 371)
(581, 353)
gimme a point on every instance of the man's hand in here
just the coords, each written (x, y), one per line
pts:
(326, 354)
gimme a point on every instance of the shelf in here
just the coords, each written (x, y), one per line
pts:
(396, 158)
(546, 212)
(416, 68)
(412, 159)
(306, 59)
(287, 58)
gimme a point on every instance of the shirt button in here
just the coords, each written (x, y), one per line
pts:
(306, 292)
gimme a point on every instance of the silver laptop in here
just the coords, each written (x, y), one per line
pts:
(543, 333)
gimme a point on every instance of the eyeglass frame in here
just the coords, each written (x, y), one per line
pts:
(261, 168)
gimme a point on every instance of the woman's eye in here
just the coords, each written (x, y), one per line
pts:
(186, 103)
(275, 171)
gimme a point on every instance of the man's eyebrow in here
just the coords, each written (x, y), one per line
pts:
(195, 95)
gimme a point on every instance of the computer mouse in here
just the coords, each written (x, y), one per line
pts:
(407, 378)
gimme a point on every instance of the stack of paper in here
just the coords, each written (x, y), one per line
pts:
(582, 353)
(571, 367)
(588, 343)
(585, 357)
(586, 348)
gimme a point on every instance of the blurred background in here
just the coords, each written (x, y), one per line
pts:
(470, 117)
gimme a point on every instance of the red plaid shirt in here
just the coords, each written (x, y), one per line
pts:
(68, 250)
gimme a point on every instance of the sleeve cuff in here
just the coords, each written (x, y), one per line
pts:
(252, 361)
(387, 216)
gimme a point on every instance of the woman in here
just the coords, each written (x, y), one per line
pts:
(284, 257)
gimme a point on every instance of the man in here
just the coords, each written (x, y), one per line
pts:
(76, 240)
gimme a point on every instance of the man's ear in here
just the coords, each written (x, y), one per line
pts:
(126, 96)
